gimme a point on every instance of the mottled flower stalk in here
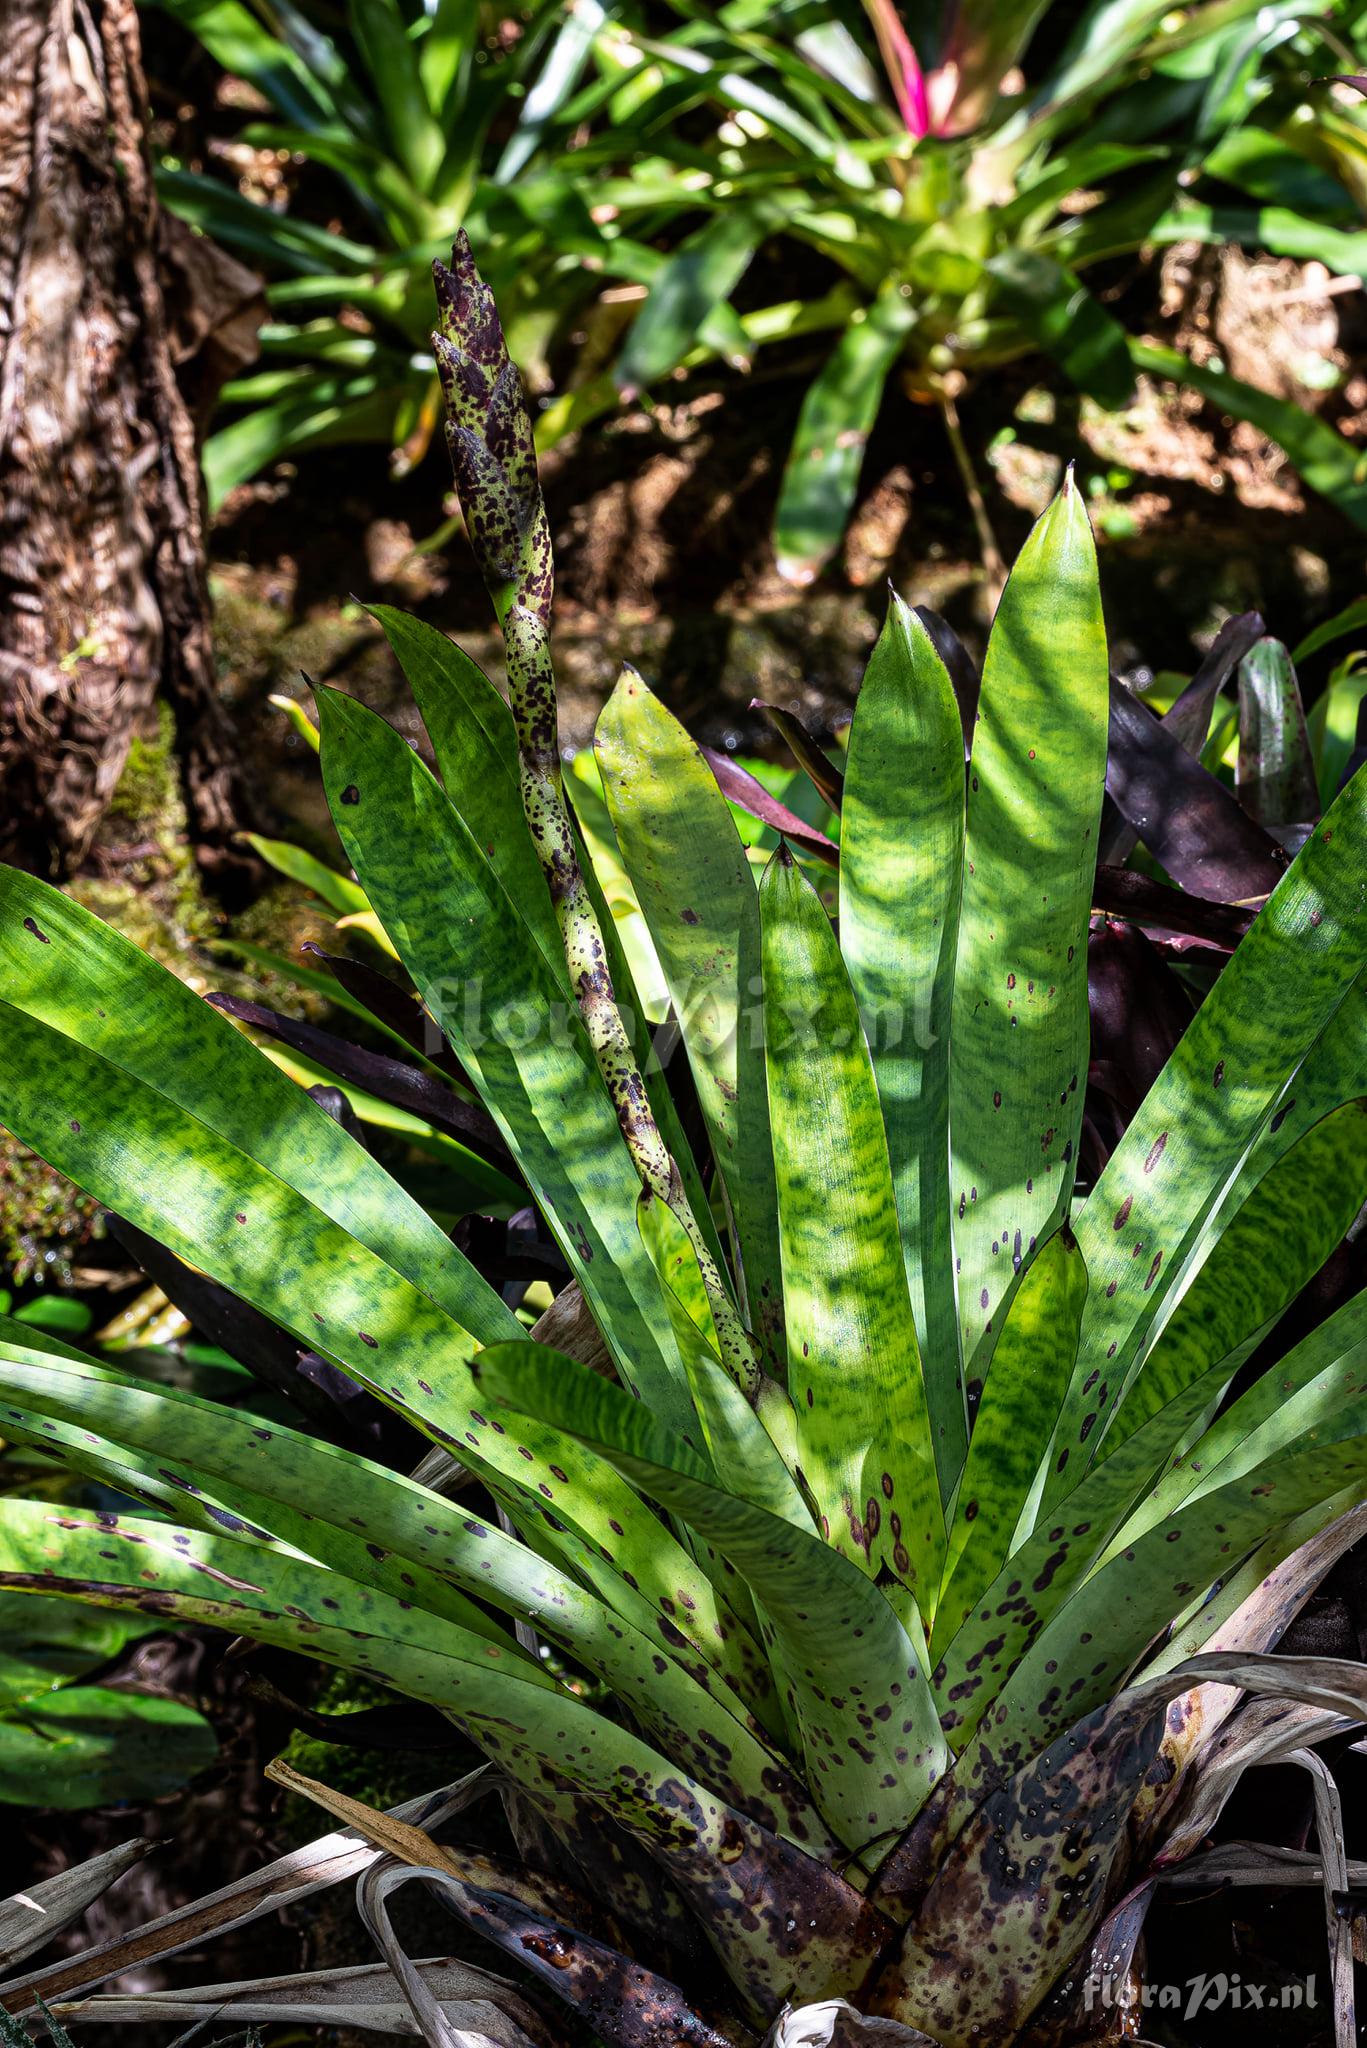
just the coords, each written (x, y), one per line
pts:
(489, 434)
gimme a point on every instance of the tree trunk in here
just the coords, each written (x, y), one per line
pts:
(103, 591)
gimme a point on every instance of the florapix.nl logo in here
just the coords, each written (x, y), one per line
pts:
(1219, 1990)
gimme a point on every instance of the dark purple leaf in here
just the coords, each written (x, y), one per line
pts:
(1139, 1009)
(1189, 718)
(404, 1727)
(391, 1080)
(742, 788)
(1123, 892)
(963, 670)
(812, 759)
(1275, 777)
(1190, 823)
(393, 1006)
(509, 1254)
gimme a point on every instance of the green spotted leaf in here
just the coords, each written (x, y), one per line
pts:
(735, 1437)
(854, 1369)
(539, 1735)
(680, 846)
(1031, 1367)
(1288, 1447)
(901, 863)
(1266, 1251)
(874, 1750)
(983, 1632)
(486, 982)
(1145, 1217)
(385, 1531)
(475, 744)
(63, 967)
(1019, 1029)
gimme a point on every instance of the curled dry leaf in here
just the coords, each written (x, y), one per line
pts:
(366, 1996)
(835, 2024)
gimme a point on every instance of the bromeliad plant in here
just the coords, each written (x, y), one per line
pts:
(423, 120)
(968, 198)
(888, 1530)
(961, 199)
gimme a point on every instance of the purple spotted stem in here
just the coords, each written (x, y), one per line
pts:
(489, 435)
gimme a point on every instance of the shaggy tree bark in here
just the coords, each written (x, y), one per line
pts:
(103, 593)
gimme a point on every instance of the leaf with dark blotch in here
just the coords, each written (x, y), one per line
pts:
(810, 756)
(630, 2006)
(749, 794)
(1030, 1864)
(1275, 776)
(1190, 822)
(635, 1907)
(964, 672)
(391, 1080)
(391, 1006)
(1270, 1005)
(1066, 2020)
(1027, 1873)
